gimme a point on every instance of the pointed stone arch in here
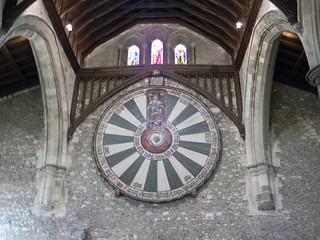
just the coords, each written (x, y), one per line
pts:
(52, 166)
(180, 37)
(261, 182)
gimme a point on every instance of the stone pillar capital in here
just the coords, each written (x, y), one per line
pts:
(313, 77)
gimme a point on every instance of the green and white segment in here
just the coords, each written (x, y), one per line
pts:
(157, 177)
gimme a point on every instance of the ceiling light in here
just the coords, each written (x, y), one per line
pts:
(239, 24)
(69, 26)
(240, 21)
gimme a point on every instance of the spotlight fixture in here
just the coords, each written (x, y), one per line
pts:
(239, 23)
(68, 26)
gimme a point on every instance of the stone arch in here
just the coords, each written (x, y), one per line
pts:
(261, 190)
(176, 38)
(54, 160)
(155, 32)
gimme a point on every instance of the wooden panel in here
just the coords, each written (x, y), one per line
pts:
(219, 84)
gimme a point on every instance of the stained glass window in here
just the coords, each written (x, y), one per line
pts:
(133, 55)
(180, 53)
(157, 52)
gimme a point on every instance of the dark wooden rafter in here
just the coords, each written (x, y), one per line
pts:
(221, 22)
(226, 10)
(232, 6)
(13, 64)
(289, 8)
(109, 31)
(297, 66)
(199, 28)
(69, 6)
(12, 11)
(56, 21)
(18, 69)
(104, 33)
(80, 12)
(222, 16)
(291, 64)
(85, 24)
(247, 33)
(102, 23)
(94, 22)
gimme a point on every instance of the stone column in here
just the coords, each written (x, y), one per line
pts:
(168, 54)
(192, 54)
(120, 55)
(313, 77)
(144, 53)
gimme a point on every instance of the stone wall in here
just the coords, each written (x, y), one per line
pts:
(218, 212)
(21, 136)
(204, 50)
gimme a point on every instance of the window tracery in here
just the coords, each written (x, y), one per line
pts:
(133, 56)
(157, 52)
(180, 53)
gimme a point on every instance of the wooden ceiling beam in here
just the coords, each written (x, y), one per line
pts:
(218, 23)
(212, 33)
(213, 38)
(101, 15)
(71, 6)
(8, 74)
(292, 53)
(100, 21)
(55, 19)
(95, 9)
(12, 11)
(212, 4)
(13, 64)
(100, 35)
(99, 32)
(288, 62)
(291, 44)
(217, 13)
(9, 81)
(239, 4)
(155, 16)
(297, 66)
(247, 33)
(109, 35)
(289, 8)
(230, 5)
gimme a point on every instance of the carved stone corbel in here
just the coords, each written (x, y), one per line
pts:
(52, 194)
(313, 77)
(264, 198)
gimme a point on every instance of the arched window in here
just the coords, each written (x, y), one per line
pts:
(157, 52)
(180, 53)
(133, 55)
